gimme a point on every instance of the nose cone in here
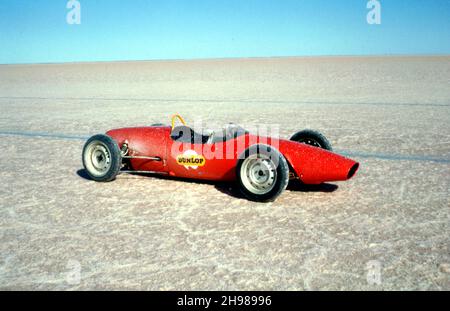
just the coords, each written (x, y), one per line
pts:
(315, 166)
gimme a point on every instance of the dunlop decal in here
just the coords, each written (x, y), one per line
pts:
(191, 159)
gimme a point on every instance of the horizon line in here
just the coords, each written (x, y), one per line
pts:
(228, 58)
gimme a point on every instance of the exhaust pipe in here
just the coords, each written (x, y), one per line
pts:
(353, 170)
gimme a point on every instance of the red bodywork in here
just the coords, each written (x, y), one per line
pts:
(310, 164)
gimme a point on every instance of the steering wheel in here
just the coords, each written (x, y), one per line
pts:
(174, 118)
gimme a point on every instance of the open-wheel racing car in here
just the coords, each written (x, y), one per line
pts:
(262, 166)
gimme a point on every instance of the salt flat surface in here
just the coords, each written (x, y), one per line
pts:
(392, 114)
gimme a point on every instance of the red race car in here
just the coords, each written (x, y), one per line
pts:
(262, 166)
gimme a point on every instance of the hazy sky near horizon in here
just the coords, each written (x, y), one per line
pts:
(36, 31)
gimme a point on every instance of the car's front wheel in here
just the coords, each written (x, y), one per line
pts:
(262, 173)
(312, 138)
(101, 158)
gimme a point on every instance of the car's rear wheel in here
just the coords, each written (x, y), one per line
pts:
(263, 173)
(101, 158)
(312, 138)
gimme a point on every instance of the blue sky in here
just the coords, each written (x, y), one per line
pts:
(36, 31)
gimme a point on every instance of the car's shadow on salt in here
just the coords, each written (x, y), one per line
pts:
(229, 188)
(83, 174)
(232, 190)
(298, 186)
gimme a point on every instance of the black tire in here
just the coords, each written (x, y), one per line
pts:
(312, 138)
(101, 158)
(274, 178)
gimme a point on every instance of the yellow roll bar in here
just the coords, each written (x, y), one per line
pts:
(177, 116)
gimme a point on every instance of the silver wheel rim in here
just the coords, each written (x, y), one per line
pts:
(258, 174)
(97, 158)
